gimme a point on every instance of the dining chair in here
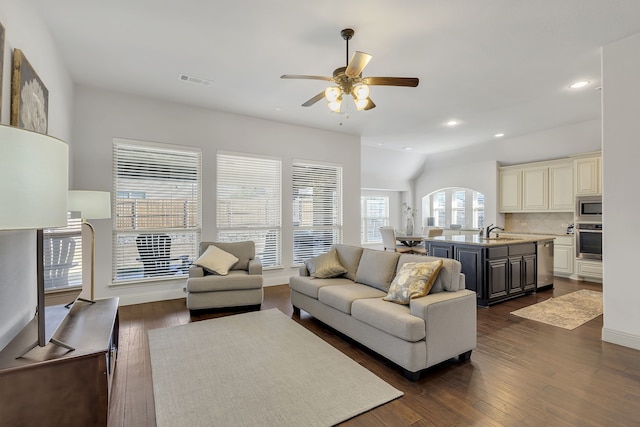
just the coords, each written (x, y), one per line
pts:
(433, 232)
(389, 241)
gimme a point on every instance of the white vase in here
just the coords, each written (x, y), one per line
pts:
(409, 230)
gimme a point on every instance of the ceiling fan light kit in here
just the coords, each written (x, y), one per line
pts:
(349, 81)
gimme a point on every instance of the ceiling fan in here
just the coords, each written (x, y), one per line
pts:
(349, 81)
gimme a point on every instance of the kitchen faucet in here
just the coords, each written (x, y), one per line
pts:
(490, 228)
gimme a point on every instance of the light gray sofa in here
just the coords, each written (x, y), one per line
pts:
(241, 287)
(430, 330)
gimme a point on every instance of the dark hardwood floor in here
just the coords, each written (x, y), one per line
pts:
(523, 373)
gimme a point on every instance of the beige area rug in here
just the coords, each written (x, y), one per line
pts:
(256, 369)
(567, 311)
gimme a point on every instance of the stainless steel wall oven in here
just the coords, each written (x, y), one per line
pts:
(588, 240)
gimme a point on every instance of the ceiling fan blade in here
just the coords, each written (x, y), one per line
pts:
(370, 105)
(313, 100)
(391, 81)
(298, 76)
(358, 61)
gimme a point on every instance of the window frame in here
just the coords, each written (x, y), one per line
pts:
(365, 220)
(315, 234)
(267, 234)
(446, 211)
(174, 209)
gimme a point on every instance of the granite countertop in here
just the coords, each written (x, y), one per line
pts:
(501, 240)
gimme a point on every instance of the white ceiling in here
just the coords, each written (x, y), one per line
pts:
(495, 65)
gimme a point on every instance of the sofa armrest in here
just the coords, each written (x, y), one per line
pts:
(255, 266)
(195, 271)
(450, 321)
(424, 307)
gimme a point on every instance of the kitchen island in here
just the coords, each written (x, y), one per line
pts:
(496, 268)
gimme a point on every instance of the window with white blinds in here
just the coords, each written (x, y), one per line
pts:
(249, 203)
(317, 209)
(375, 214)
(157, 206)
(62, 255)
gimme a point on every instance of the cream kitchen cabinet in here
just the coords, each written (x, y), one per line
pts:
(564, 255)
(510, 190)
(588, 175)
(537, 187)
(590, 270)
(561, 187)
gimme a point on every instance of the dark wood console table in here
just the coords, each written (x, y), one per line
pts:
(50, 386)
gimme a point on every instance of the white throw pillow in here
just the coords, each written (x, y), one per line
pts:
(215, 260)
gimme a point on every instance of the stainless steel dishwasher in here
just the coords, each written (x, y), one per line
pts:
(545, 264)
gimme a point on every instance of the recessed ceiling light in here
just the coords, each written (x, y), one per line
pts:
(499, 135)
(380, 144)
(580, 84)
(407, 148)
(452, 123)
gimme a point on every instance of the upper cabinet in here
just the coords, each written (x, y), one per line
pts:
(588, 175)
(536, 187)
(510, 190)
(561, 187)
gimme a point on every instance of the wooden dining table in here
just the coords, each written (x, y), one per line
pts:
(410, 241)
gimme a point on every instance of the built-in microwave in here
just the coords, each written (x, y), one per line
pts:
(589, 208)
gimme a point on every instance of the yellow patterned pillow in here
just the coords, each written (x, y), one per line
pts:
(414, 280)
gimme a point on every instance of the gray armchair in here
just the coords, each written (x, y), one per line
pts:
(241, 287)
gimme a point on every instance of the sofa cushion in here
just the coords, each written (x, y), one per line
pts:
(244, 251)
(341, 297)
(310, 286)
(394, 319)
(414, 280)
(325, 266)
(216, 260)
(448, 277)
(377, 268)
(234, 281)
(349, 257)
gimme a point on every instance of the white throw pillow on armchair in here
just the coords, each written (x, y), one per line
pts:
(217, 261)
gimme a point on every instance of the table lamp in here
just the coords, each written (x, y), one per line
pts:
(91, 205)
(34, 181)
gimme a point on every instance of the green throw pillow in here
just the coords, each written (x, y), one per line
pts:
(414, 280)
(325, 266)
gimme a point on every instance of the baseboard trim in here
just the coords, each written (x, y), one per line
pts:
(621, 338)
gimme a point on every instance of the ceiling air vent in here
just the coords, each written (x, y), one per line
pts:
(191, 79)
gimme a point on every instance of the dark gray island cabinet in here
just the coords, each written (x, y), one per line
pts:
(496, 269)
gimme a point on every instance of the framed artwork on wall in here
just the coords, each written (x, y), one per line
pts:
(29, 96)
(1, 65)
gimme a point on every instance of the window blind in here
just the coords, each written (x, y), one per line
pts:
(375, 214)
(249, 203)
(317, 209)
(157, 208)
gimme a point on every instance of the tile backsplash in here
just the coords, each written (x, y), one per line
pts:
(541, 223)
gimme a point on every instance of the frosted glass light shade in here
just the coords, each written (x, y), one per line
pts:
(34, 180)
(90, 204)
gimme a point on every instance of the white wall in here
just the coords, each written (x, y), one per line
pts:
(102, 115)
(476, 167)
(621, 151)
(25, 30)
(389, 170)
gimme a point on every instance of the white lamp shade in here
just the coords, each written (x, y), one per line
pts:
(34, 180)
(90, 204)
